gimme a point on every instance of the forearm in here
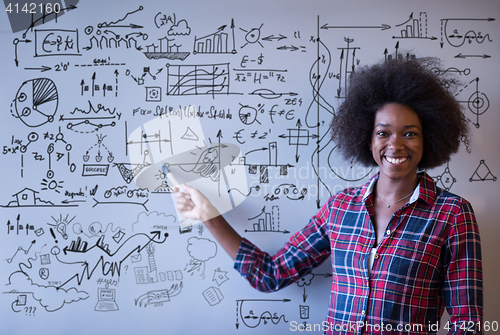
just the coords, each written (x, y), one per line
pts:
(225, 235)
(192, 204)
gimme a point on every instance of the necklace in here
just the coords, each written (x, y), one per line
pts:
(392, 203)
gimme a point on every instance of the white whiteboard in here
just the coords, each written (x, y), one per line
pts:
(86, 249)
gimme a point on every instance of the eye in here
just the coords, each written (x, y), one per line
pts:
(410, 134)
(381, 133)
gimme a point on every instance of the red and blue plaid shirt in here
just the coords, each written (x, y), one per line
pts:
(429, 258)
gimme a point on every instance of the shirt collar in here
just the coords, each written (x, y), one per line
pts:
(425, 190)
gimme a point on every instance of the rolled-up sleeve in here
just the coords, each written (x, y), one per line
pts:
(305, 250)
(463, 286)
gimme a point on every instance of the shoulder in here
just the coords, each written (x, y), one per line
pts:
(351, 198)
(348, 194)
(454, 202)
(458, 213)
(441, 199)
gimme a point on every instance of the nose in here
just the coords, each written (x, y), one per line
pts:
(396, 142)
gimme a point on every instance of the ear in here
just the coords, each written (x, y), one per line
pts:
(370, 145)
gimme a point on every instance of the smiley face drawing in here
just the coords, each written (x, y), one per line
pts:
(36, 102)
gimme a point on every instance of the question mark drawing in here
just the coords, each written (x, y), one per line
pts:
(30, 310)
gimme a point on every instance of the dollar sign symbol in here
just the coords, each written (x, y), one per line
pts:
(260, 59)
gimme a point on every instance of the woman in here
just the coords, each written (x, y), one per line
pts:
(402, 249)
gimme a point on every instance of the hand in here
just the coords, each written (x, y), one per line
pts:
(194, 205)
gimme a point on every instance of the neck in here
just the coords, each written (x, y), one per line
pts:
(391, 190)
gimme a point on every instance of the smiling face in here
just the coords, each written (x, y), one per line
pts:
(397, 142)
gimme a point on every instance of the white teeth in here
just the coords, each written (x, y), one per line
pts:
(396, 160)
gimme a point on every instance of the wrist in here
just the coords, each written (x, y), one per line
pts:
(209, 213)
(213, 221)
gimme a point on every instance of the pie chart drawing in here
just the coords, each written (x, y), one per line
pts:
(36, 102)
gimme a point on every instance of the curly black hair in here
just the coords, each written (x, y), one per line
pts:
(413, 83)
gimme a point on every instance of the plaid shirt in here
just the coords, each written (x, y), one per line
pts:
(429, 258)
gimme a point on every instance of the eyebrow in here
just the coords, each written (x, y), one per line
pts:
(406, 126)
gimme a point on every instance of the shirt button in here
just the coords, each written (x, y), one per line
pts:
(388, 232)
(363, 312)
(376, 256)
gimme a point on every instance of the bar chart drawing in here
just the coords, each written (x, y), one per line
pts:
(264, 168)
(164, 49)
(215, 43)
(414, 28)
(267, 222)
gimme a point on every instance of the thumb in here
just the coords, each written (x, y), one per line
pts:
(188, 189)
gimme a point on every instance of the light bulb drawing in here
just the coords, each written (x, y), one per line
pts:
(61, 228)
(61, 224)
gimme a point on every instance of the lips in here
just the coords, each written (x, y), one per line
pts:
(396, 160)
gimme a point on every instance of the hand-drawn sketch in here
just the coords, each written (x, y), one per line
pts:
(89, 123)
(220, 276)
(201, 250)
(252, 318)
(267, 221)
(453, 32)
(219, 42)
(36, 102)
(482, 173)
(234, 100)
(213, 295)
(168, 42)
(478, 103)
(415, 27)
(446, 179)
(158, 297)
(106, 300)
(205, 79)
(252, 36)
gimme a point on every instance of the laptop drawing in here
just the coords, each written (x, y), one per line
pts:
(106, 300)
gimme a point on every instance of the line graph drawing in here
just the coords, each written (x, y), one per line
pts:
(116, 23)
(205, 79)
(105, 36)
(28, 22)
(89, 123)
(25, 251)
